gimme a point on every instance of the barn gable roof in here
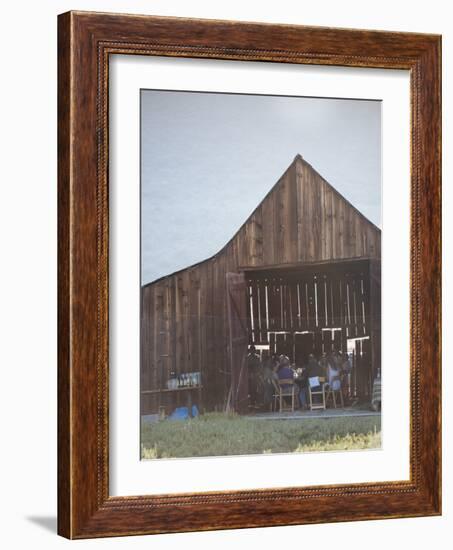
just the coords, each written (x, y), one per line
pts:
(311, 221)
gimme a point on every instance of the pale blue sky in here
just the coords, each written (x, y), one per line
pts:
(209, 159)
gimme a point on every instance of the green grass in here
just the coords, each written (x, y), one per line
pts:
(216, 434)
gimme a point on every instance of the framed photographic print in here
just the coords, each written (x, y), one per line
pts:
(249, 275)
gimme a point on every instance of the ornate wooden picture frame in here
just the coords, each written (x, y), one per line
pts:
(85, 42)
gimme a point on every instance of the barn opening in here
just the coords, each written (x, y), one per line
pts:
(315, 308)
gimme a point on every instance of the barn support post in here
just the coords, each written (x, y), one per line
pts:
(237, 341)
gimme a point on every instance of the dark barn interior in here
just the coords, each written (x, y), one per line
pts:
(302, 275)
(318, 308)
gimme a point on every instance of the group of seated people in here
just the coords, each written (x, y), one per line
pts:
(264, 373)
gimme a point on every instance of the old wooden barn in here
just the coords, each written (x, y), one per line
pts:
(302, 275)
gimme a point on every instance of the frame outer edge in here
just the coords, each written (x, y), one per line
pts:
(81, 510)
(434, 213)
(64, 524)
(427, 276)
(439, 239)
(80, 477)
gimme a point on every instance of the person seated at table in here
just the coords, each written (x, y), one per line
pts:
(314, 368)
(324, 363)
(315, 371)
(333, 377)
(336, 361)
(253, 370)
(268, 377)
(346, 364)
(345, 376)
(284, 371)
(302, 383)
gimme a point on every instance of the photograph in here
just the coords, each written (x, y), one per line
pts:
(260, 231)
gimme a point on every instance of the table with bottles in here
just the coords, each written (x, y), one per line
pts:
(184, 384)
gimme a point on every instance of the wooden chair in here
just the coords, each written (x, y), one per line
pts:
(315, 392)
(284, 388)
(332, 393)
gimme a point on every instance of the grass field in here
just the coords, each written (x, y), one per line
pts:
(217, 434)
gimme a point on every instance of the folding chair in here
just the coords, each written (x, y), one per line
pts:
(284, 388)
(334, 389)
(315, 390)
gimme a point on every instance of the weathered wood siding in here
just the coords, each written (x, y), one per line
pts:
(184, 315)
